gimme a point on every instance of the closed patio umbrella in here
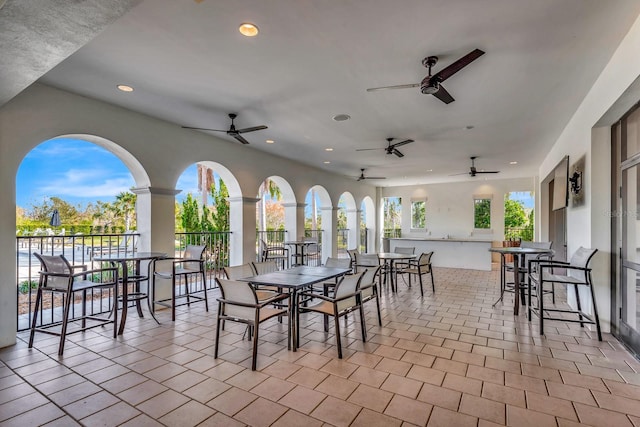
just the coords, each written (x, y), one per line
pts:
(55, 219)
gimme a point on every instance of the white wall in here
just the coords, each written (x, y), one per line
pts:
(449, 207)
(161, 151)
(588, 225)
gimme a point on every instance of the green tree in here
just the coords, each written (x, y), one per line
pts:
(514, 214)
(220, 211)
(42, 213)
(342, 219)
(125, 208)
(482, 213)
(418, 212)
(190, 218)
(392, 212)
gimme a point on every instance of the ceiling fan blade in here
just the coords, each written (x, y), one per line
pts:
(397, 152)
(252, 129)
(211, 130)
(487, 171)
(240, 138)
(400, 144)
(462, 173)
(369, 149)
(373, 89)
(375, 177)
(449, 71)
(443, 95)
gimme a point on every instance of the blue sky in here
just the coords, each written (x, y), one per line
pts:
(76, 171)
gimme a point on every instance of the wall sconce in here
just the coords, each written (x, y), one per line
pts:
(576, 182)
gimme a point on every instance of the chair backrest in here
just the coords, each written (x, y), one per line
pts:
(404, 250)
(239, 271)
(55, 264)
(534, 245)
(352, 254)
(367, 260)
(348, 284)
(193, 252)
(425, 259)
(264, 267)
(238, 292)
(338, 262)
(581, 258)
(368, 282)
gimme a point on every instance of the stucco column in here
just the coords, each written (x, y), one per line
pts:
(8, 289)
(155, 209)
(353, 224)
(294, 224)
(329, 232)
(242, 224)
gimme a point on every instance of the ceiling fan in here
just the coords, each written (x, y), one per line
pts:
(362, 177)
(472, 170)
(390, 148)
(431, 85)
(232, 131)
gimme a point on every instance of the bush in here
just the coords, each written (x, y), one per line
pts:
(25, 285)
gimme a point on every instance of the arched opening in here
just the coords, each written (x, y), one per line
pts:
(322, 219)
(276, 222)
(204, 214)
(368, 225)
(75, 196)
(348, 224)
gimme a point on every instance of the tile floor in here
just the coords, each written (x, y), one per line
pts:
(449, 359)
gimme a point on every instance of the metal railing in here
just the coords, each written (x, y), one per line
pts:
(392, 232)
(314, 251)
(342, 241)
(519, 233)
(270, 238)
(216, 254)
(364, 240)
(78, 249)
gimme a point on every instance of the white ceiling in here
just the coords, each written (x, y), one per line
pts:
(315, 59)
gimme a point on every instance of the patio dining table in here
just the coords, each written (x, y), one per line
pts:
(137, 295)
(294, 280)
(389, 259)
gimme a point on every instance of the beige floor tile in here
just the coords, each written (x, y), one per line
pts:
(113, 415)
(38, 416)
(440, 396)
(247, 379)
(368, 418)
(569, 392)
(508, 395)
(302, 399)
(483, 408)
(336, 412)
(223, 371)
(296, 419)
(337, 387)
(551, 405)
(372, 398)
(273, 388)
(74, 393)
(141, 392)
(190, 414)
(221, 420)
(524, 382)
(617, 403)
(409, 410)
(441, 417)
(90, 404)
(261, 413)
(339, 368)
(21, 405)
(598, 417)
(393, 366)
(520, 417)
(368, 376)
(232, 401)
(462, 384)
(403, 386)
(427, 375)
(308, 377)
(365, 359)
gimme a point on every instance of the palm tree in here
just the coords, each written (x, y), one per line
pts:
(271, 188)
(205, 181)
(125, 207)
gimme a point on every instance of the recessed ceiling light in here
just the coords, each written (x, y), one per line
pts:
(328, 149)
(513, 163)
(327, 162)
(269, 141)
(248, 29)
(429, 170)
(125, 88)
(341, 117)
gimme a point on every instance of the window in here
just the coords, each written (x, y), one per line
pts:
(418, 214)
(392, 216)
(481, 213)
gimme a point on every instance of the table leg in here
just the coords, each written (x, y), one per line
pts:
(516, 284)
(125, 296)
(502, 279)
(293, 319)
(390, 275)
